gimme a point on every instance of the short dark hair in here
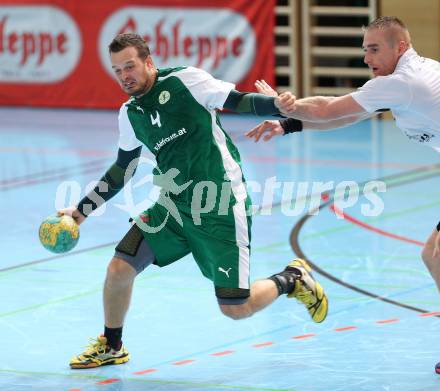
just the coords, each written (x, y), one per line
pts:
(125, 40)
(385, 22)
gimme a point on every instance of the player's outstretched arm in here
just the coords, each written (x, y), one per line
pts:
(324, 108)
(108, 186)
(316, 109)
(290, 125)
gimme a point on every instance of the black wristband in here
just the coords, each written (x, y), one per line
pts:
(291, 125)
(438, 226)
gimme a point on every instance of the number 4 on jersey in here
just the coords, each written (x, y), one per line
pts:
(156, 121)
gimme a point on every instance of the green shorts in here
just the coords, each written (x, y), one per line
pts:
(220, 244)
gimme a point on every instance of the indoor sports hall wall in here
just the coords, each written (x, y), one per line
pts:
(423, 20)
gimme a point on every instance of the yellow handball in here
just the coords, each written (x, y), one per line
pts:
(59, 234)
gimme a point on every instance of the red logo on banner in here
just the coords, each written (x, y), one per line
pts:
(29, 44)
(218, 40)
(31, 50)
(176, 45)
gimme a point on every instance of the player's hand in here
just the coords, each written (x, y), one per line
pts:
(285, 102)
(271, 128)
(264, 88)
(73, 212)
(436, 251)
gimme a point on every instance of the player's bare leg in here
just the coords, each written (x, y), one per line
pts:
(296, 281)
(117, 291)
(117, 295)
(263, 293)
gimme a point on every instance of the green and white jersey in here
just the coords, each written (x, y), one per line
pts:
(178, 122)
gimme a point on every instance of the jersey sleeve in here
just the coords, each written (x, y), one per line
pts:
(390, 92)
(127, 137)
(206, 90)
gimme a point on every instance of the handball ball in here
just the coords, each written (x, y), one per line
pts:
(59, 234)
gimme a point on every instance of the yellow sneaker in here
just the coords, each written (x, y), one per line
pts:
(99, 353)
(308, 291)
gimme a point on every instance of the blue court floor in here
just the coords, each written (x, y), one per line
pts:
(382, 332)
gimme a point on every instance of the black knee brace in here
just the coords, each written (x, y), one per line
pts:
(231, 296)
(131, 242)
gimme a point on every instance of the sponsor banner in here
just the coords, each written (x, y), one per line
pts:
(56, 53)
